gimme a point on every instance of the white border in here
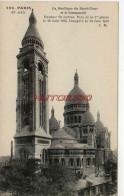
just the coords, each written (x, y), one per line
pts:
(120, 97)
(121, 102)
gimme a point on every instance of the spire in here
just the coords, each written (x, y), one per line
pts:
(76, 78)
(32, 35)
(32, 18)
(98, 115)
(52, 112)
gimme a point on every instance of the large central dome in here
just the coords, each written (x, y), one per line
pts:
(76, 91)
(75, 105)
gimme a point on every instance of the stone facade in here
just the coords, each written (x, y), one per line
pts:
(82, 144)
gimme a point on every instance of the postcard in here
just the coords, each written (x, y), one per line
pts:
(58, 86)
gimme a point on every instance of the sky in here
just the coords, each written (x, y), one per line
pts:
(69, 46)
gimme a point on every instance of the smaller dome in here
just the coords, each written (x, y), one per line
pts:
(53, 123)
(99, 125)
(88, 118)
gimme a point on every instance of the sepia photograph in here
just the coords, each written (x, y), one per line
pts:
(59, 89)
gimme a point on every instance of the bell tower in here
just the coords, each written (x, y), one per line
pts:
(32, 136)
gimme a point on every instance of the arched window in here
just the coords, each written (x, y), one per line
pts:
(78, 162)
(63, 161)
(40, 68)
(88, 161)
(26, 65)
(44, 156)
(75, 119)
(91, 130)
(71, 162)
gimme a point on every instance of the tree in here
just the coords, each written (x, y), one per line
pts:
(17, 175)
(28, 177)
(111, 166)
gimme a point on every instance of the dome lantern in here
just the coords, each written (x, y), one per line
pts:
(76, 78)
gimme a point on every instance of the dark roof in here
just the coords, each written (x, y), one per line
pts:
(69, 130)
(32, 32)
(62, 134)
(94, 181)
